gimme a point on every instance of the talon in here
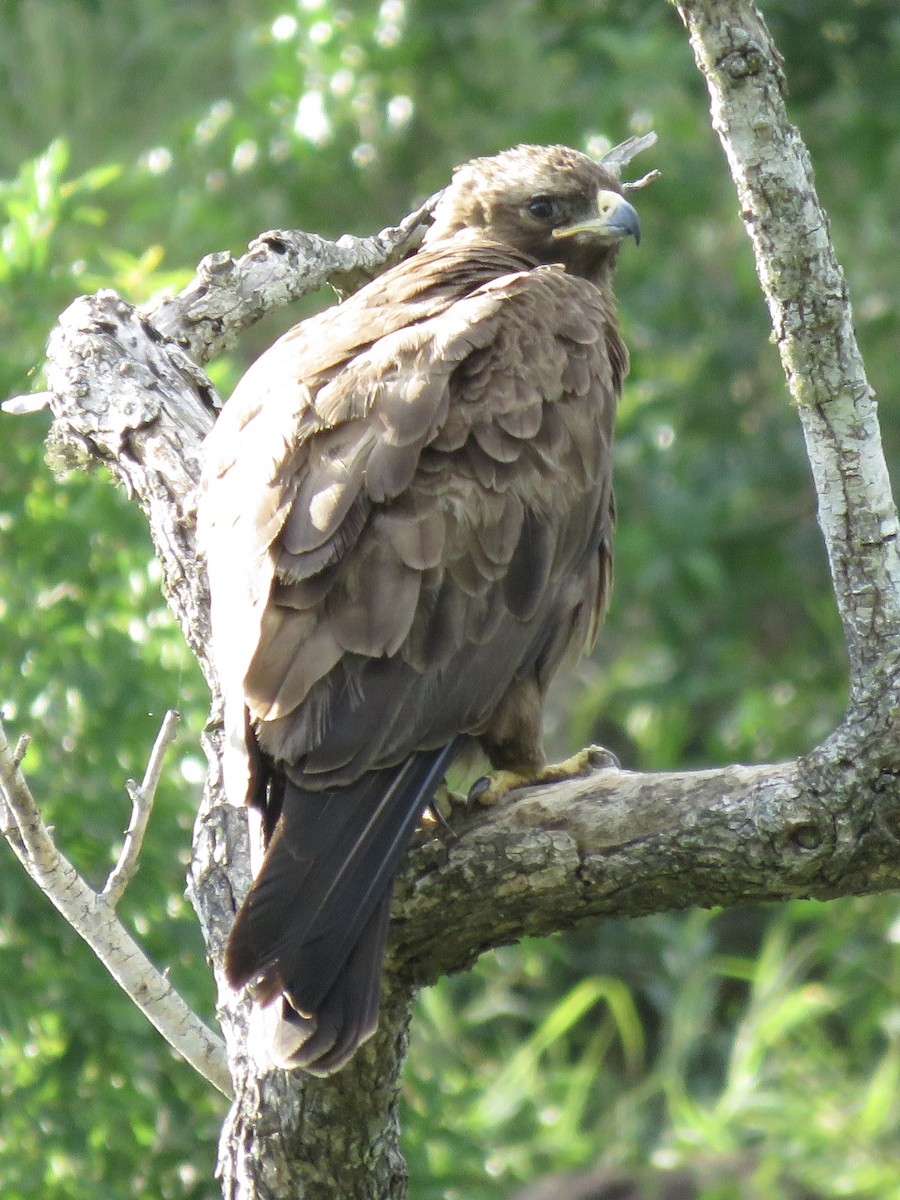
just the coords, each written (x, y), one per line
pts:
(480, 788)
(585, 762)
(601, 759)
(441, 820)
(491, 789)
(436, 816)
(441, 808)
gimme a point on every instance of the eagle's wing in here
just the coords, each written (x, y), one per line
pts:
(292, 447)
(407, 531)
(408, 511)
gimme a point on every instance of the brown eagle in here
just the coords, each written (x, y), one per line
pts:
(407, 517)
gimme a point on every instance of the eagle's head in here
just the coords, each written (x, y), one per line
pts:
(557, 205)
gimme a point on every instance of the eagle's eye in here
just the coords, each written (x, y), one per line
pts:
(543, 208)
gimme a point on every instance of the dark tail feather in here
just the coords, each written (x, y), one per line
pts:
(314, 925)
(349, 1013)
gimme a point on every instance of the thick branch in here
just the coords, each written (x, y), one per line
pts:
(93, 918)
(807, 297)
(626, 844)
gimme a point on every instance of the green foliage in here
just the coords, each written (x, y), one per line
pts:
(92, 1101)
(759, 1046)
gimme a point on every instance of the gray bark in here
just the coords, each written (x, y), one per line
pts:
(811, 316)
(127, 391)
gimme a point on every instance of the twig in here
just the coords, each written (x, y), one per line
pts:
(635, 185)
(93, 918)
(33, 844)
(31, 402)
(141, 806)
(21, 747)
(618, 158)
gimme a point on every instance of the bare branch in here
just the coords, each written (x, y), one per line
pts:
(141, 806)
(621, 843)
(619, 157)
(31, 402)
(635, 185)
(31, 839)
(93, 918)
(228, 296)
(810, 310)
(22, 744)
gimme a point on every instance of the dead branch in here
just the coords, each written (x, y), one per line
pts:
(93, 918)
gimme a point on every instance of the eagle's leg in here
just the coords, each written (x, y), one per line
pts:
(512, 742)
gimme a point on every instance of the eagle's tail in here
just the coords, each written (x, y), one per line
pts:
(313, 927)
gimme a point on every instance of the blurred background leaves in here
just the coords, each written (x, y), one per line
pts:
(758, 1048)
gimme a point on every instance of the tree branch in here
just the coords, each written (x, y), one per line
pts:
(93, 918)
(227, 297)
(141, 806)
(807, 297)
(621, 843)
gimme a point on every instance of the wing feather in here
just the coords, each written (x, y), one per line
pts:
(425, 494)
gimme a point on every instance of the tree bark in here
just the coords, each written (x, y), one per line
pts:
(811, 316)
(127, 390)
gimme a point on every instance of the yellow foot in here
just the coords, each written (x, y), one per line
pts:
(490, 789)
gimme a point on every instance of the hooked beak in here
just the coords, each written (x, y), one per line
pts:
(616, 219)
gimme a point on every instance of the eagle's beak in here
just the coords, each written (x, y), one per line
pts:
(616, 219)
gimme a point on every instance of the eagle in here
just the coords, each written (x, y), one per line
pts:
(407, 515)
